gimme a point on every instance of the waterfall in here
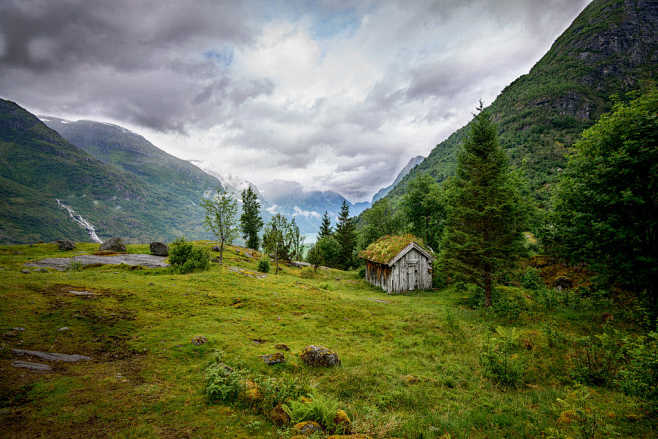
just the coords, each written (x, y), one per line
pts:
(82, 222)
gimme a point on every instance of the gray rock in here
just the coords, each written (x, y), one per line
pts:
(52, 356)
(113, 244)
(64, 328)
(31, 366)
(148, 261)
(82, 293)
(319, 356)
(18, 329)
(25, 271)
(65, 244)
(159, 249)
(275, 358)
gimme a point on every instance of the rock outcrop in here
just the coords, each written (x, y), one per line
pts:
(159, 249)
(114, 245)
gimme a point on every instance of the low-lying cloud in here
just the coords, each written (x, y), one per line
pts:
(332, 95)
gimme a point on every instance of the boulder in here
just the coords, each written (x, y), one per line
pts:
(199, 340)
(275, 358)
(279, 416)
(65, 244)
(342, 421)
(159, 249)
(282, 347)
(308, 427)
(114, 245)
(319, 356)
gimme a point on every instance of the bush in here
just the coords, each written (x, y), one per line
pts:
(185, 258)
(362, 272)
(320, 409)
(640, 375)
(597, 358)
(222, 382)
(531, 279)
(500, 360)
(264, 265)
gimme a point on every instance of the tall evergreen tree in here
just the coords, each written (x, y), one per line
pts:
(325, 227)
(250, 220)
(346, 236)
(483, 235)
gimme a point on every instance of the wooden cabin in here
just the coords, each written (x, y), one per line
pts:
(399, 263)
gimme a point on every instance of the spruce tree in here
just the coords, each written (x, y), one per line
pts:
(325, 227)
(483, 235)
(346, 236)
(424, 208)
(250, 220)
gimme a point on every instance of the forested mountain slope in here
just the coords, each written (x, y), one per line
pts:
(610, 48)
(38, 167)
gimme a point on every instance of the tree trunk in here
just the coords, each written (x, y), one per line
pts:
(487, 289)
(276, 258)
(221, 252)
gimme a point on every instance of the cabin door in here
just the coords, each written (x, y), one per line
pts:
(412, 274)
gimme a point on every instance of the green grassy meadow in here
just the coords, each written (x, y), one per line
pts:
(411, 364)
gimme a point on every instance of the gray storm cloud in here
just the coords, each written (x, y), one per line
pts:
(332, 94)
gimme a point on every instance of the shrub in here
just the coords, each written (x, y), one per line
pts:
(185, 258)
(362, 272)
(500, 359)
(640, 375)
(280, 391)
(307, 273)
(320, 409)
(597, 358)
(264, 265)
(531, 279)
(222, 382)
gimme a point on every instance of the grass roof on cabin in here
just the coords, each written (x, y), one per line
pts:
(387, 247)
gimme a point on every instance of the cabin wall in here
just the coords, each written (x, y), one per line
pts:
(378, 274)
(411, 272)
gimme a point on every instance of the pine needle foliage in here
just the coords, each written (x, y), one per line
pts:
(483, 236)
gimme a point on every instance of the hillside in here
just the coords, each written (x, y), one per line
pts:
(610, 48)
(180, 181)
(38, 167)
(411, 364)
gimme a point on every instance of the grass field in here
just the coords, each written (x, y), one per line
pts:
(412, 365)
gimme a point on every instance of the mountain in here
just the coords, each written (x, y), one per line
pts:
(52, 188)
(610, 48)
(415, 161)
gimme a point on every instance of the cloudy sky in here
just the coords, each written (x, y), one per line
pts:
(334, 94)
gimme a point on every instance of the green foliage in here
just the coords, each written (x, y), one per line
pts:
(223, 384)
(425, 210)
(321, 409)
(639, 376)
(531, 279)
(326, 251)
(576, 414)
(325, 227)
(185, 258)
(345, 235)
(250, 221)
(380, 220)
(282, 239)
(362, 273)
(606, 210)
(221, 214)
(264, 265)
(500, 359)
(597, 358)
(483, 235)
